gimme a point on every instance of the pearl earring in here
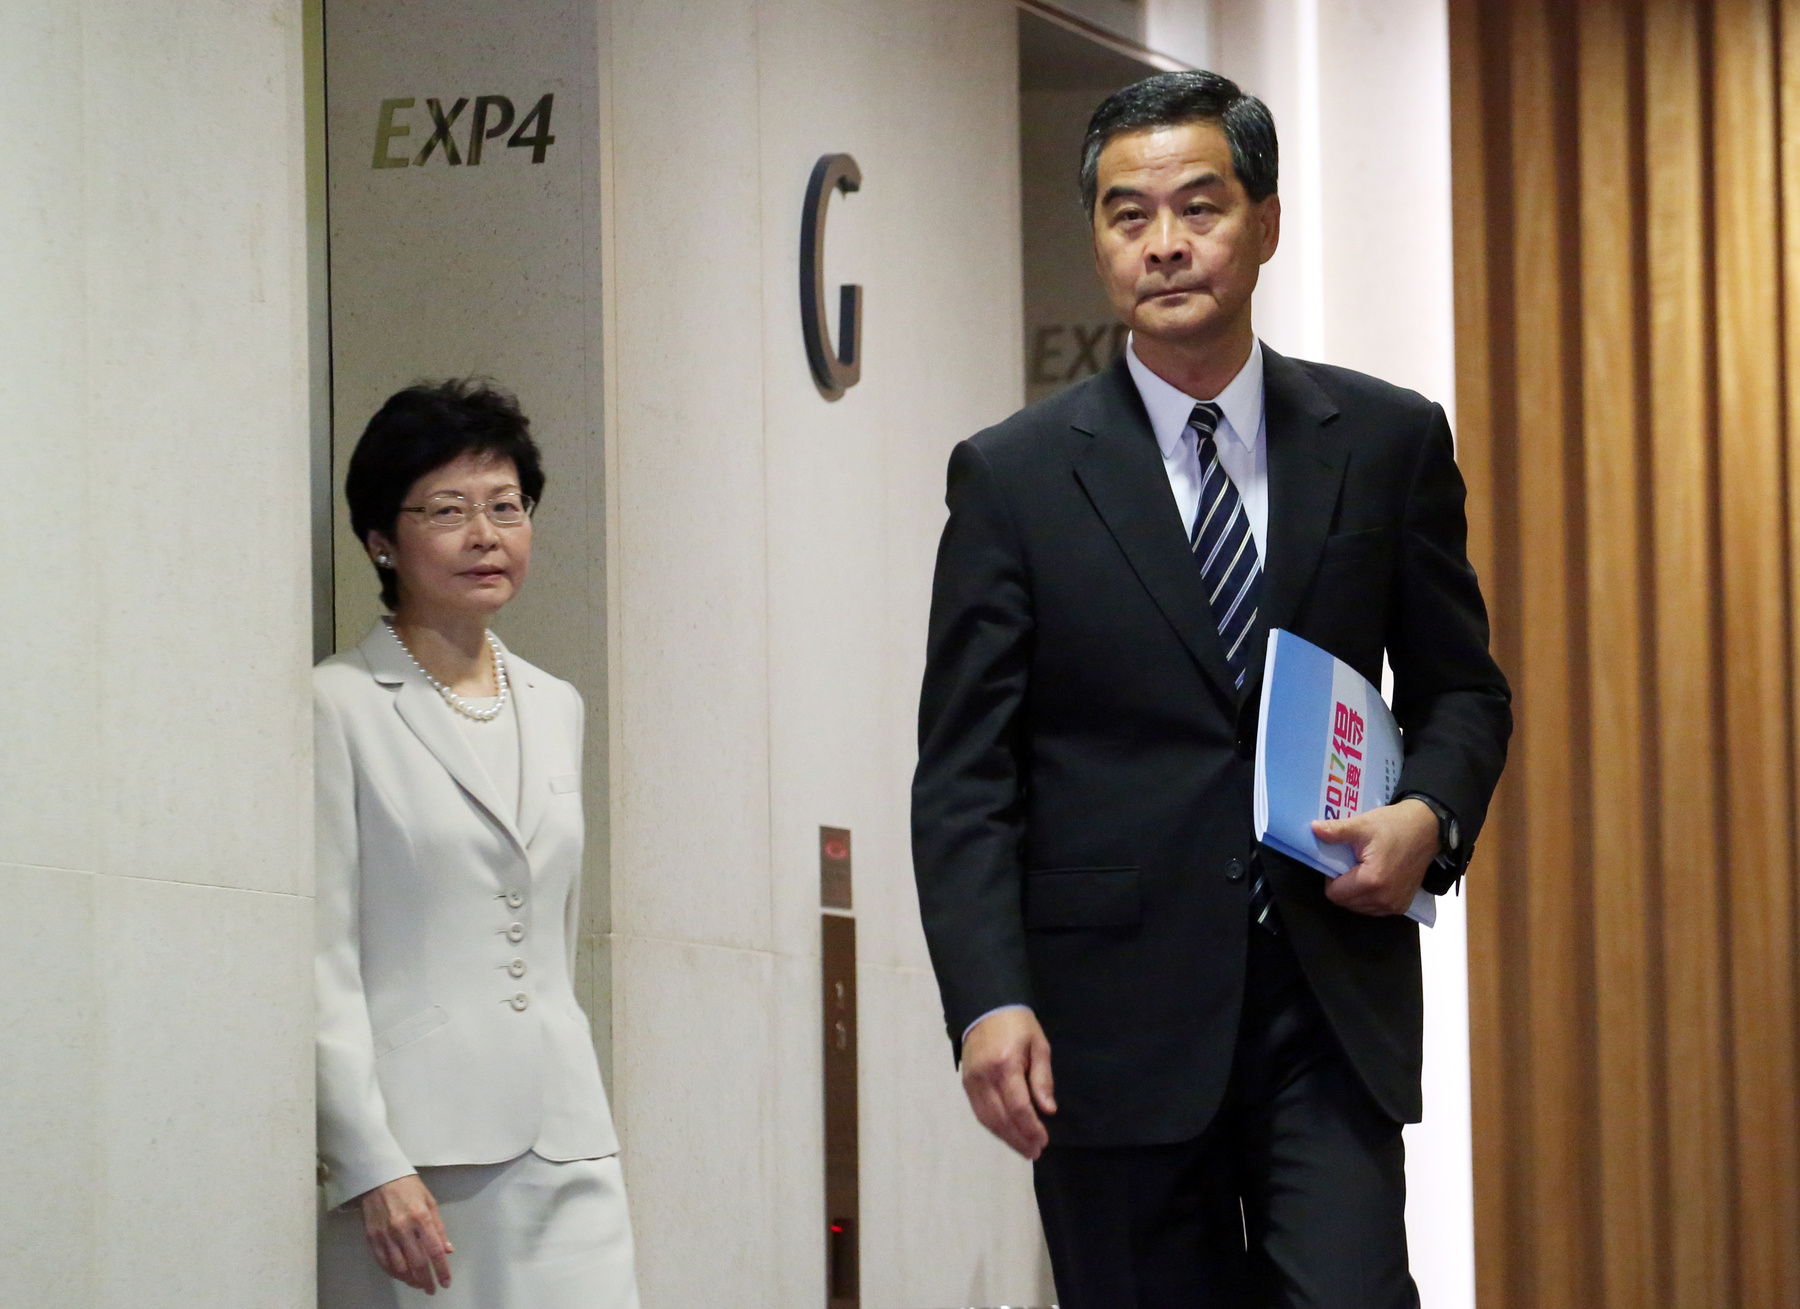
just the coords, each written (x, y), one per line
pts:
(383, 561)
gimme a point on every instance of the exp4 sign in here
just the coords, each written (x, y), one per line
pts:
(492, 117)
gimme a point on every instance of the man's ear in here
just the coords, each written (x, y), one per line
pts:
(1269, 216)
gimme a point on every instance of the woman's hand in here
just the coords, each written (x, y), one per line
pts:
(406, 1235)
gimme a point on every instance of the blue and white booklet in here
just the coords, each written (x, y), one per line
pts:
(1327, 747)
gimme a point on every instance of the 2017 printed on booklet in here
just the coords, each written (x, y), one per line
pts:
(1327, 746)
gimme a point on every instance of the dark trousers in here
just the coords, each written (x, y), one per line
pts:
(1294, 1196)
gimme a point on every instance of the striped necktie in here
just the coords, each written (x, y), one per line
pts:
(1225, 549)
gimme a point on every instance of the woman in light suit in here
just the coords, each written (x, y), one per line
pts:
(465, 1144)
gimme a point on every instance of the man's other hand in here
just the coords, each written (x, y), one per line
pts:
(1394, 846)
(1006, 1075)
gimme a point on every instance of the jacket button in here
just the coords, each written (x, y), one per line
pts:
(521, 1002)
(1234, 871)
(515, 898)
(516, 932)
(516, 968)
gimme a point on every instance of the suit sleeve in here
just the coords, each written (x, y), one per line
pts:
(355, 1146)
(968, 792)
(1450, 697)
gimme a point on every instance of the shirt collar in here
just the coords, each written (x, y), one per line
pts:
(1169, 408)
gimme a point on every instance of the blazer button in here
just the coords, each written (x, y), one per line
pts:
(521, 1002)
(516, 968)
(1234, 871)
(516, 932)
(515, 898)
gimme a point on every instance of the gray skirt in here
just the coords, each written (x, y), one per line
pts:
(529, 1234)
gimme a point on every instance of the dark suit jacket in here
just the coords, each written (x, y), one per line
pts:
(1082, 806)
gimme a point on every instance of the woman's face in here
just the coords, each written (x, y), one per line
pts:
(470, 570)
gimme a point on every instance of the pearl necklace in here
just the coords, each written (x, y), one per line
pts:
(451, 698)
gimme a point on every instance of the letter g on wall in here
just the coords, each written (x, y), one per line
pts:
(836, 371)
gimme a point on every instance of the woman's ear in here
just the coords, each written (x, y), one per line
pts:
(381, 550)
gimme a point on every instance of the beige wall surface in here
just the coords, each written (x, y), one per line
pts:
(155, 739)
(772, 556)
(459, 265)
(1071, 330)
(1180, 29)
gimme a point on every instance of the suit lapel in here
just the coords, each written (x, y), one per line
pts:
(432, 721)
(1306, 469)
(535, 728)
(1122, 472)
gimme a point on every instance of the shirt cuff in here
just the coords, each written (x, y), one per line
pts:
(997, 1009)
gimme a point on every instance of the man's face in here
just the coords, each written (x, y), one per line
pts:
(1177, 241)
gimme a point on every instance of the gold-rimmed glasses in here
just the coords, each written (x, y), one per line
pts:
(447, 509)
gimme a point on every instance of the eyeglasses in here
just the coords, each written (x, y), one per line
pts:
(447, 509)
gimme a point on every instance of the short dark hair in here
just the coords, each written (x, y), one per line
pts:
(418, 431)
(1170, 99)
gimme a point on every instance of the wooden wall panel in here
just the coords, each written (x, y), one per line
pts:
(1627, 192)
(1547, 706)
(1681, 511)
(1787, 145)
(1624, 883)
(1752, 554)
(1479, 140)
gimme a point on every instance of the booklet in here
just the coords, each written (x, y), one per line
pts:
(1327, 746)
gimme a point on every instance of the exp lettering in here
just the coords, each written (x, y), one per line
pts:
(491, 118)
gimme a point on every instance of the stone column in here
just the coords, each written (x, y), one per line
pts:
(155, 740)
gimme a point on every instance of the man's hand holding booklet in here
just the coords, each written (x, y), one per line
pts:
(1327, 748)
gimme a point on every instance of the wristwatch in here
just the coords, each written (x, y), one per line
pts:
(1449, 832)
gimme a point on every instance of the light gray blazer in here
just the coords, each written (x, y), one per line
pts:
(449, 1032)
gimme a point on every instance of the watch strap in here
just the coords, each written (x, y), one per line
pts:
(1453, 855)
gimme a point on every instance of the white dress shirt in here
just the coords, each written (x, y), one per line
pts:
(1245, 458)
(1242, 439)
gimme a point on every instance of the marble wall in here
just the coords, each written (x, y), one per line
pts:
(155, 794)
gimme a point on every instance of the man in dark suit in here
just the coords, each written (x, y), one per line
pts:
(1236, 1038)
